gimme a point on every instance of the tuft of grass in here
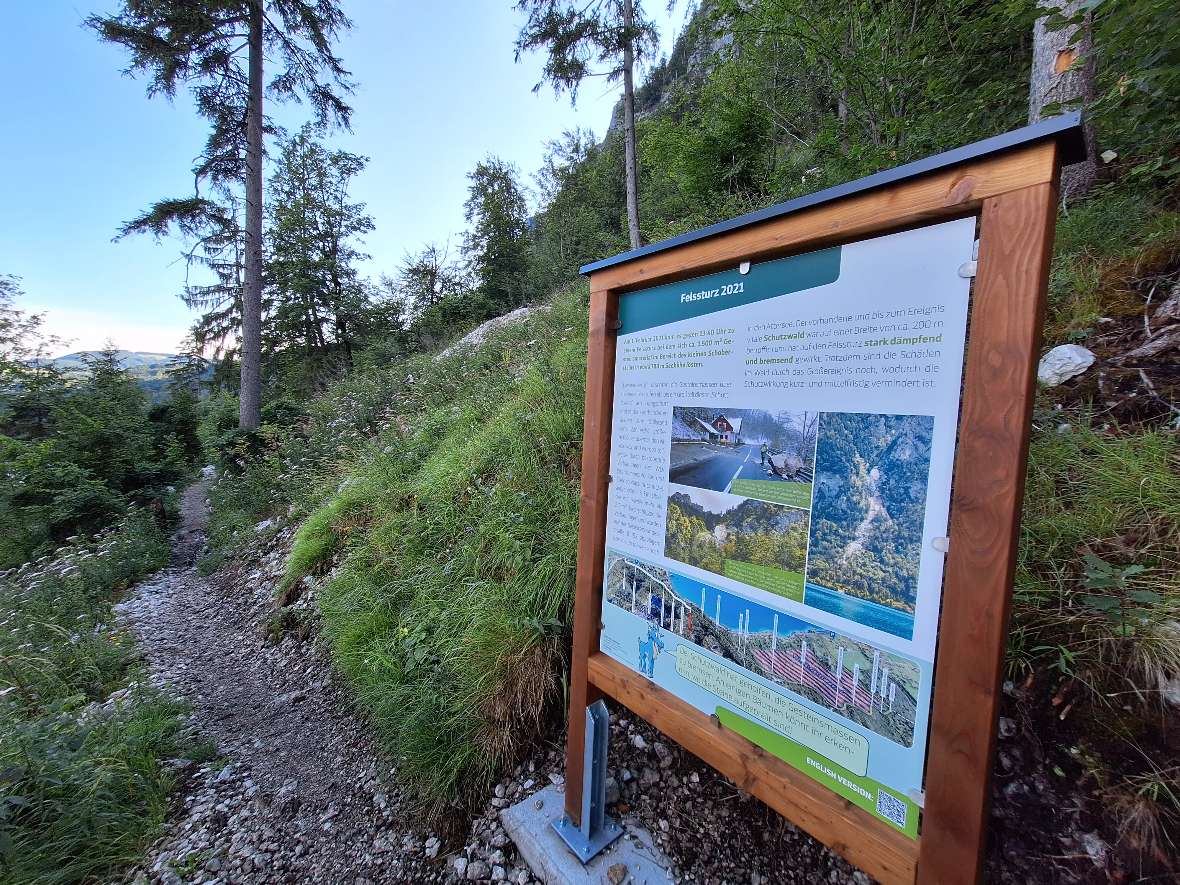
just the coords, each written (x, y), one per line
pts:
(82, 790)
(323, 533)
(1146, 810)
(1102, 246)
(81, 797)
(315, 542)
(1097, 596)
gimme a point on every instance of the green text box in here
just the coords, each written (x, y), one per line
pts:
(766, 577)
(793, 494)
(883, 803)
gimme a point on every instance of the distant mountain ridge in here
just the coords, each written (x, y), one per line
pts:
(139, 363)
(149, 369)
(750, 515)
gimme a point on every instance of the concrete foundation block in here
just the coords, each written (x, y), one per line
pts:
(632, 860)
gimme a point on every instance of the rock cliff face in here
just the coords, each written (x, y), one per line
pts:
(690, 62)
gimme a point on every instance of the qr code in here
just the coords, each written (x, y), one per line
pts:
(891, 808)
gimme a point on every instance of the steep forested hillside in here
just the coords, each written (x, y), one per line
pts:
(869, 505)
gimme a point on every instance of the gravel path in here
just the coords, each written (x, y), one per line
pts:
(299, 792)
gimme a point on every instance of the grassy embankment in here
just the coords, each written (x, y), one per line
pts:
(452, 493)
(82, 788)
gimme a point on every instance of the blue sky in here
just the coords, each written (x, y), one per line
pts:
(85, 149)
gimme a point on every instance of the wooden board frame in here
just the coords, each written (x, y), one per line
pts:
(1013, 193)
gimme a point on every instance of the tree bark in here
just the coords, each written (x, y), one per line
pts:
(629, 122)
(250, 411)
(1062, 72)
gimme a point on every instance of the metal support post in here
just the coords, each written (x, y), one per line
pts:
(597, 830)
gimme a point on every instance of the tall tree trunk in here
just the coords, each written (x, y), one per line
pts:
(1063, 73)
(250, 412)
(629, 121)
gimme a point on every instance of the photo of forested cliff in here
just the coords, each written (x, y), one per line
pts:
(869, 507)
(758, 543)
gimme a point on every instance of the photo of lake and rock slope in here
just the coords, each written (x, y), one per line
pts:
(867, 685)
(755, 542)
(867, 516)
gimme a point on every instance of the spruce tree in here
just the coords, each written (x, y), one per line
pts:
(581, 36)
(216, 48)
(495, 246)
(316, 294)
(30, 384)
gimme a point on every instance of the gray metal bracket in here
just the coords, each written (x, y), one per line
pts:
(597, 830)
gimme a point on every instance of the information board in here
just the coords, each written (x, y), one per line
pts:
(782, 445)
(769, 555)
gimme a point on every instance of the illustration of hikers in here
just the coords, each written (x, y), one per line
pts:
(649, 651)
(764, 451)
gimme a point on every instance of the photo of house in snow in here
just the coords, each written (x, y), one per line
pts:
(720, 429)
(751, 452)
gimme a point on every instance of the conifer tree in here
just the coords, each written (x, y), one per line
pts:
(30, 384)
(579, 36)
(427, 278)
(216, 48)
(316, 294)
(495, 246)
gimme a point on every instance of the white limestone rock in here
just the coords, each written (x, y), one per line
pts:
(1063, 362)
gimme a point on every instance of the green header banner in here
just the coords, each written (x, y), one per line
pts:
(672, 302)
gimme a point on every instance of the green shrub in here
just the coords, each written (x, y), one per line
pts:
(82, 790)
(219, 420)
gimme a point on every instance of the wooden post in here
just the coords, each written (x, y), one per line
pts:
(600, 391)
(1015, 247)
(839, 674)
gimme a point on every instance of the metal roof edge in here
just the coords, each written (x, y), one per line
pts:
(1066, 129)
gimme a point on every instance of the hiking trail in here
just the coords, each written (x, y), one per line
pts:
(298, 792)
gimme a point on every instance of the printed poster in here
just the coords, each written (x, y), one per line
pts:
(781, 457)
